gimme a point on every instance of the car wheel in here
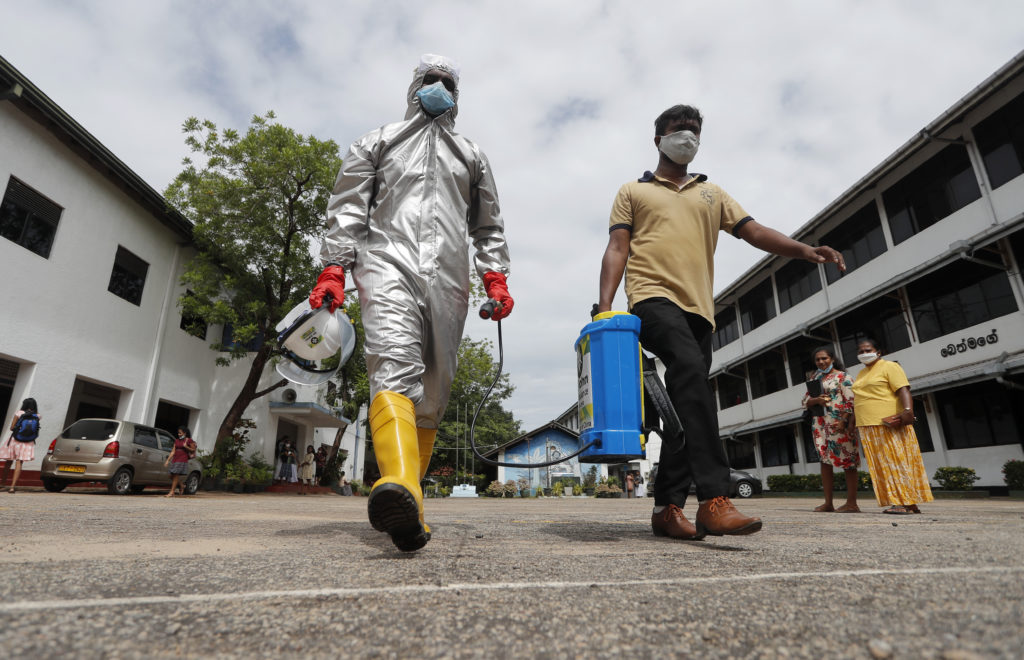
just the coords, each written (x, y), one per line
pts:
(54, 485)
(121, 482)
(137, 489)
(744, 489)
(192, 483)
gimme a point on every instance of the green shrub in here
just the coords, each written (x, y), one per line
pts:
(495, 489)
(786, 483)
(607, 490)
(1013, 474)
(955, 478)
(803, 483)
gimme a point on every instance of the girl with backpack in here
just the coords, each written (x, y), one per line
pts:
(21, 446)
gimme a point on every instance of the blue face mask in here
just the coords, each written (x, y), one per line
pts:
(435, 99)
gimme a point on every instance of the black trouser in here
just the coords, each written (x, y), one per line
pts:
(682, 341)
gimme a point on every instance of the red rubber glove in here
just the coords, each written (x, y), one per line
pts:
(331, 281)
(497, 289)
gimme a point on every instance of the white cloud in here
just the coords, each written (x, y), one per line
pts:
(801, 99)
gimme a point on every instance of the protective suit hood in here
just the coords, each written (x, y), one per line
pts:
(428, 63)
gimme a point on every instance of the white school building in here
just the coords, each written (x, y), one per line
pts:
(91, 259)
(933, 239)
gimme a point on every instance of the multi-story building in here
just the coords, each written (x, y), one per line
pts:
(933, 239)
(91, 259)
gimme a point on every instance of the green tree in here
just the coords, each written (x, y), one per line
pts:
(257, 202)
(494, 425)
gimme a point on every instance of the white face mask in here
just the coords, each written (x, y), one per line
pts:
(867, 358)
(680, 147)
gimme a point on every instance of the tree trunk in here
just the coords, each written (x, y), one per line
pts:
(337, 444)
(246, 395)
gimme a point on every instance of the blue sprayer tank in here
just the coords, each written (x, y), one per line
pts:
(610, 388)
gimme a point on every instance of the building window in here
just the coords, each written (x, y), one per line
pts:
(28, 219)
(777, 447)
(859, 238)
(800, 352)
(727, 329)
(732, 390)
(882, 319)
(741, 452)
(959, 296)
(191, 324)
(981, 415)
(921, 430)
(1000, 140)
(128, 277)
(1017, 247)
(767, 373)
(797, 281)
(229, 343)
(807, 433)
(943, 184)
(757, 306)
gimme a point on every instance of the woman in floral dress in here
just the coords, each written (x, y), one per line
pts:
(835, 436)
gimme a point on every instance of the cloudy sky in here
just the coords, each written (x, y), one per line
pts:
(801, 99)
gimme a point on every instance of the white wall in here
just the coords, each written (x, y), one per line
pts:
(68, 326)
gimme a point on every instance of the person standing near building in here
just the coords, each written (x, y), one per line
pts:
(307, 469)
(177, 459)
(884, 413)
(408, 201)
(321, 463)
(666, 226)
(21, 445)
(288, 473)
(835, 435)
(630, 485)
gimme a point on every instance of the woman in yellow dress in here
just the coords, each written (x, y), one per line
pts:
(884, 413)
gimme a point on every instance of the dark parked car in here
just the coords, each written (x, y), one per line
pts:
(741, 484)
(125, 456)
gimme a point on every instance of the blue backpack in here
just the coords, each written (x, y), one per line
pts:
(27, 428)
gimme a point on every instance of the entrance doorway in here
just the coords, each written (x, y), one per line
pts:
(169, 417)
(90, 399)
(8, 376)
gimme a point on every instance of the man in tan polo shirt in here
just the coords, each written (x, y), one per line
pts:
(666, 225)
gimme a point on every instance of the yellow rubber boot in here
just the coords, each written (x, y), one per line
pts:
(396, 501)
(426, 442)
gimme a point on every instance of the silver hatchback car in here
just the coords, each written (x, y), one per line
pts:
(125, 456)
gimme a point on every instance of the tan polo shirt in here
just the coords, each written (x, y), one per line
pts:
(674, 233)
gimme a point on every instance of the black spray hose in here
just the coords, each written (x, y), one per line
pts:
(486, 310)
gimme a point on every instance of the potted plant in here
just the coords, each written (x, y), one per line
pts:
(606, 489)
(590, 480)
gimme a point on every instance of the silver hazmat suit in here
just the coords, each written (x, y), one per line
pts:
(409, 197)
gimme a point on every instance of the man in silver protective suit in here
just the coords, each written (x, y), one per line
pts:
(409, 197)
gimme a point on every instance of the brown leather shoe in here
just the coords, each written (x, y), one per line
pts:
(719, 517)
(671, 522)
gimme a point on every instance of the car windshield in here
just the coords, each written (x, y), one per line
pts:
(91, 429)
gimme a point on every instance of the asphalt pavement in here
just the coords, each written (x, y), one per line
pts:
(92, 575)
